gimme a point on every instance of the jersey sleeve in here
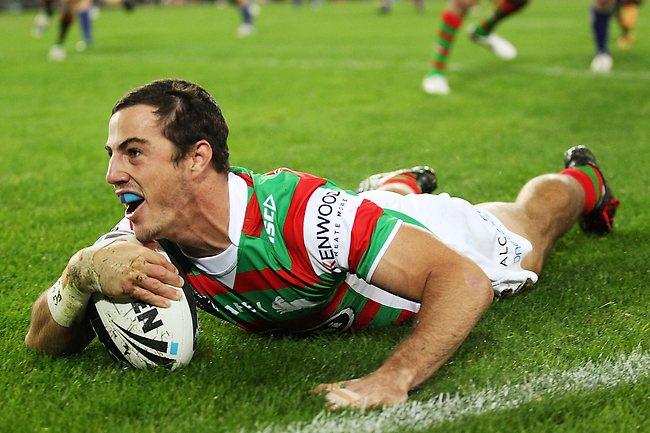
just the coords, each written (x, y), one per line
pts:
(346, 233)
(121, 228)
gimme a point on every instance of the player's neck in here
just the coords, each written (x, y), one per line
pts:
(204, 228)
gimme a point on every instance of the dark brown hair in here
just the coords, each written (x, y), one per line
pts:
(187, 113)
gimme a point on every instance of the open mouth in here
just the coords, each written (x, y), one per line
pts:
(132, 202)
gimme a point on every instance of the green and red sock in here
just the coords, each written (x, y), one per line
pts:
(408, 179)
(449, 25)
(504, 9)
(591, 181)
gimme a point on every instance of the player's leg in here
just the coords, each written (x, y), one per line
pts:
(246, 28)
(601, 13)
(57, 52)
(419, 6)
(451, 18)
(546, 207)
(385, 6)
(482, 32)
(415, 180)
(128, 5)
(43, 18)
(627, 15)
(83, 10)
(48, 6)
(549, 205)
(65, 20)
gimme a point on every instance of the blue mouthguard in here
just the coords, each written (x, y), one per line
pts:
(129, 198)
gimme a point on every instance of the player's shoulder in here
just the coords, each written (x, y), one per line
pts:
(282, 187)
(279, 176)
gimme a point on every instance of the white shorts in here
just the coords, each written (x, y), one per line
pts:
(469, 230)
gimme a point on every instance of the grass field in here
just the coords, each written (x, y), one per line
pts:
(336, 91)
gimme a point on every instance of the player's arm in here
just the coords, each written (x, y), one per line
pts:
(115, 267)
(453, 292)
(46, 335)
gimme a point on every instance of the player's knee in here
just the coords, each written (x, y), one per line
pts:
(534, 261)
(604, 5)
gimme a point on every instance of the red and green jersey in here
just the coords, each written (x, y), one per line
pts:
(303, 253)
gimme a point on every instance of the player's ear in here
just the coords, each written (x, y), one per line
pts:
(201, 156)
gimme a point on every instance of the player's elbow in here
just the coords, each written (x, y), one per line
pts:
(42, 342)
(476, 289)
(487, 292)
(480, 286)
(46, 336)
(37, 338)
(35, 341)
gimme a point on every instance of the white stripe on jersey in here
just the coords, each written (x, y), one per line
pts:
(379, 295)
(381, 253)
(329, 217)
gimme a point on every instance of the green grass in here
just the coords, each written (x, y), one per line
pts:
(335, 92)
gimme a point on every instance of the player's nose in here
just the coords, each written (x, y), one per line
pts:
(115, 173)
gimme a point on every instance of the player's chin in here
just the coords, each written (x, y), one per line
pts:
(145, 235)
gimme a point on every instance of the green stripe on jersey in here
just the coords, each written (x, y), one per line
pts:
(258, 255)
(274, 194)
(405, 218)
(383, 229)
(385, 316)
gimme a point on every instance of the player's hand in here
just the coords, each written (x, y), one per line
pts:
(374, 390)
(123, 268)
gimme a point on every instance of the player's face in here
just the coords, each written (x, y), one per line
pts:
(141, 168)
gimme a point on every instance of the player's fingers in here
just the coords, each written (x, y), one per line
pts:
(324, 387)
(151, 264)
(156, 287)
(338, 398)
(139, 285)
(158, 259)
(151, 298)
(164, 274)
(151, 256)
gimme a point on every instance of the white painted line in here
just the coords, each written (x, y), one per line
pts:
(383, 65)
(308, 64)
(624, 369)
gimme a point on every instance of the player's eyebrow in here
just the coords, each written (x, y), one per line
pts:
(125, 143)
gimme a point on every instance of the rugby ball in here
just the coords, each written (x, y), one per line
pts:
(145, 336)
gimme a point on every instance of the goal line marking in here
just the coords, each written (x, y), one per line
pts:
(414, 415)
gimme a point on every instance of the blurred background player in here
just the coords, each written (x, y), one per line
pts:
(127, 5)
(601, 14)
(451, 18)
(386, 6)
(627, 15)
(82, 8)
(248, 10)
(43, 19)
(297, 4)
